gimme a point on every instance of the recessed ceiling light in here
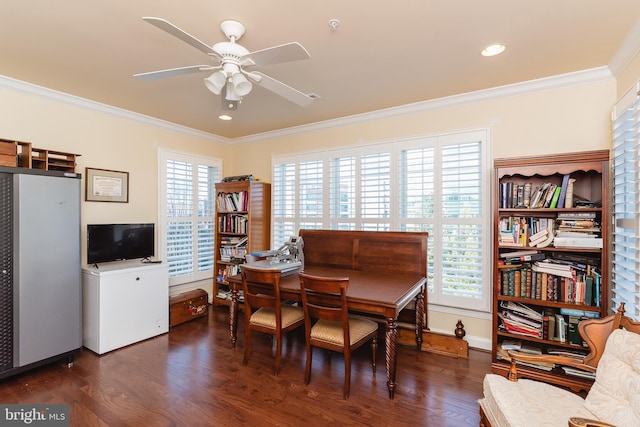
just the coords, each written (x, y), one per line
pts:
(224, 117)
(493, 50)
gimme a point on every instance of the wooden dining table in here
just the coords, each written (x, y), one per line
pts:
(386, 271)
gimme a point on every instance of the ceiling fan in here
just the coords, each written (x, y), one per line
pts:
(232, 74)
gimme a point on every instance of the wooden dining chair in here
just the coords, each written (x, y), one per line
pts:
(324, 300)
(264, 311)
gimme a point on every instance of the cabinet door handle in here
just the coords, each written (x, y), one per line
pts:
(137, 278)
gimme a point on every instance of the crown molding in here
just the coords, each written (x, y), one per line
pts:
(628, 50)
(531, 86)
(32, 89)
(521, 88)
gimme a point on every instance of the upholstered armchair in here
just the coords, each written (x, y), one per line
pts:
(613, 400)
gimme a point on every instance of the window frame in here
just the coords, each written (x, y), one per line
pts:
(165, 155)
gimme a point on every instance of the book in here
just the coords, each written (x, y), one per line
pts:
(549, 195)
(561, 332)
(568, 202)
(511, 344)
(563, 191)
(579, 313)
(527, 195)
(525, 258)
(554, 198)
(517, 254)
(579, 373)
(573, 336)
(540, 237)
(535, 196)
(578, 242)
(576, 215)
(540, 234)
(554, 269)
(551, 329)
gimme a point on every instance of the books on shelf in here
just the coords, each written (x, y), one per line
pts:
(576, 215)
(520, 319)
(503, 354)
(550, 280)
(511, 344)
(579, 373)
(580, 313)
(525, 231)
(230, 202)
(551, 195)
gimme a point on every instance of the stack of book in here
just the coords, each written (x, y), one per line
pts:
(578, 230)
(516, 318)
(506, 345)
(526, 231)
(233, 247)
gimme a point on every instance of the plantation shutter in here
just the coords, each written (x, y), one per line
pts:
(188, 215)
(625, 274)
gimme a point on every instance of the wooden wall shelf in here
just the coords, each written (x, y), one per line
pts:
(21, 154)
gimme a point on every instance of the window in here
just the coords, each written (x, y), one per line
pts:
(187, 210)
(438, 184)
(625, 272)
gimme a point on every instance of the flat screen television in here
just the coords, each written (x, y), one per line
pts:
(115, 242)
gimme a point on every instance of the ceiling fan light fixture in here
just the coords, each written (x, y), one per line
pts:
(241, 86)
(216, 81)
(230, 93)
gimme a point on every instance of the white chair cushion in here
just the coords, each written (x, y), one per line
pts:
(615, 395)
(527, 403)
(266, 317)
(331, 331)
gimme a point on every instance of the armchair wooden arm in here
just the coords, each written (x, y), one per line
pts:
(583, 422)
(594, 332)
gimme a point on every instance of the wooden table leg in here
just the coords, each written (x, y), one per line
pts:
(391, 338)
(419, 319)
(233, 317)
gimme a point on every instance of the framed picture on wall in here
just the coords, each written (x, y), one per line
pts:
(104, 185)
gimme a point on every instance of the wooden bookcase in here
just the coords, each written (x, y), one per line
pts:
(590, 265)
(243, 211)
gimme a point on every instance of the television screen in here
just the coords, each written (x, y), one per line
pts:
(114, 242)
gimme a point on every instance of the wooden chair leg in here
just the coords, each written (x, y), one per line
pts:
(278, 353)
(374, 350)
(307, 370)
(347, 374)
(247, 346)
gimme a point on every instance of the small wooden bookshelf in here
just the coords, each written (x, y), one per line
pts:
(243, 225)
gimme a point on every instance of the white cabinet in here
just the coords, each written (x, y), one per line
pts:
(123, 303)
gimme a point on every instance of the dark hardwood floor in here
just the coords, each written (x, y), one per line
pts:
(192, 377)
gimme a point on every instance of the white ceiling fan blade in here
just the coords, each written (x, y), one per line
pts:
(281, 89)
(277, 54)
(167, 26)
(171, 72)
